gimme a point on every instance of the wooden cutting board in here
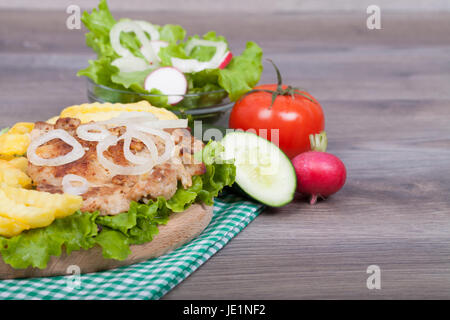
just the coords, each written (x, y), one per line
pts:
(181, 228)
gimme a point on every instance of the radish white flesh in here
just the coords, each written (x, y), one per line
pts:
(226, 60)
(169, 81)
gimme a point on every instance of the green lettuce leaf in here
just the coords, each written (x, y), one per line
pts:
(219, 173)
(136, 226)
(149, 216)
(114, 244)
(203, 53)
(173, 50)
(183, 198)
(240, 76)
(100, 71)
(100, 21)
(99, 24)
(243, 72)
(172, 33)
(132, 80)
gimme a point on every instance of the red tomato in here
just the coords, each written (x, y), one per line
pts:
(296, 117)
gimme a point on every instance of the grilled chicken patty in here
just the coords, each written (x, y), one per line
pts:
(111, 194)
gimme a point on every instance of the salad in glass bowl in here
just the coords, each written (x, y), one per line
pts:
(138, 60)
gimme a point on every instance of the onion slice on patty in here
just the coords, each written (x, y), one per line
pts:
(116, 169)
(167, 138)
(148, 142)
(76, 153)
(84, 133)
(68, 187)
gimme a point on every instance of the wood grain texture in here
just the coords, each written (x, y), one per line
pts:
(181, 228)
(386, 98)
(248, 6)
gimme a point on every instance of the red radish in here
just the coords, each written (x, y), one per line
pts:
(169, 81)
(319, 174)
(226, 60)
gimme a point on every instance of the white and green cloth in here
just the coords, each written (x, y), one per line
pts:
(150, 279)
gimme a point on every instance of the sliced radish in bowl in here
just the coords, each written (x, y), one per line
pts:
(169, 81)
(226, 60)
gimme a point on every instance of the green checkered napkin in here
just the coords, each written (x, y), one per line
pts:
(150, 279)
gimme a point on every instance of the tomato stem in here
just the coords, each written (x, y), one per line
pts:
(289, 91)
(279, 79)
(319, 141)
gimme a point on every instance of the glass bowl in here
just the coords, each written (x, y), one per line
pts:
(209, 106)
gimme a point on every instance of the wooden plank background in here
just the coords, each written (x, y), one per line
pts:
(387, 103)
(260, 6)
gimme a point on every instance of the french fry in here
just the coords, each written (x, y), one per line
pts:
(22, 209)
(10, 227)
(105, 111)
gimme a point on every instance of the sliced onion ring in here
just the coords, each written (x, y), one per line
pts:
(167, 138)
(221, 48)
(149, 28)
(190, 65)
(131, 26)
(130, 64)
(83, 132)
(69, 188)
(148, 142)
(76, 153)
(193, 65)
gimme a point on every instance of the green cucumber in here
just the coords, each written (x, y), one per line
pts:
(263, 171)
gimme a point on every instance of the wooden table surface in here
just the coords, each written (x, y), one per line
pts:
(386, 96)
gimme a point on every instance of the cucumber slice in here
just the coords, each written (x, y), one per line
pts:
(263, 171)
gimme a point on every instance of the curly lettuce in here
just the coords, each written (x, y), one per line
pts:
(115, 234)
